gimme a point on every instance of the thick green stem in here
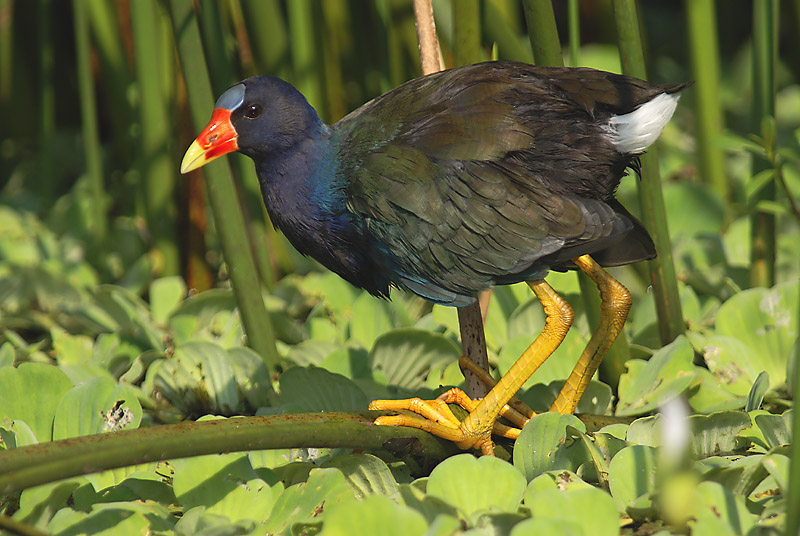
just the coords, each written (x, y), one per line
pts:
(793, 496)
(762, 230)
(701, 16)
(303, 51)
(117, 79)
(230, 221)
(266, 29)
(651, 197)
(47, 462)
(543, 32)
(574, 14)
(46, 107)
(155, 163)
(466, 32)
(501, 30)
(220, 64)
(91, 138)
(6, 48)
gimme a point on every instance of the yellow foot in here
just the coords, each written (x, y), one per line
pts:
(475, 431)
(436, 417)
(516, 411)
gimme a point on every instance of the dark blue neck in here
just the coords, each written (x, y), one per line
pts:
(305, 196)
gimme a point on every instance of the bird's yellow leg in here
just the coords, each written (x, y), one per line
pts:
(515, 410)
(476, 429)
(615, 302)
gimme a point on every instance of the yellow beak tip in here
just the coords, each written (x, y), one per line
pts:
(194, 158)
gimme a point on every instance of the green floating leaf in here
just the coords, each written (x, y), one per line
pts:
(647, 385)
(17, 433)
(539, 525)
(311, 352)
(778, 467)
(496, 523)
(717, 434)
(7, 355)
(776, 428)
(349, 362)
(596, 400)
(166, 295)
(32, 392)
(339, 295)
(325, 487)
(711, 395)
(429, 506)
(766, 321)
(444, 525)
(198, 379)
(371, 318)
(199, 522)
(117, 521)
(376, 514)
(225, 485)
(405, 356)
(477, 485)
(366, 474)
(645, 431)
(38, 504)
(731, 361)
(130, 313)
(632, 473)
(316, 389)
(692, 209)
(562, 480)
(741, 476)
(717, 507)
(756, 395)
(600, 456)
(252, 376)
(96, 406)
(708, 435)
(205, 305)
(71, 349)
(542, 445)
(597, 513)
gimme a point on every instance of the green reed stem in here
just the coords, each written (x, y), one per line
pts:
(91, 137)
(702, 23)
(6, 48)
(543, 33)
(574, 14)
(116, 78)
(466, 32)
(47, 103)
(651, 198)
(793, 495)
(762, 230)
(156, 166)
(230, 221)
(266, 28)
(303, 40)
(501, 30)
(24, 467)
(223, 75)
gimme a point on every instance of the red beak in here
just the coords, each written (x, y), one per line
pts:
(218, 138)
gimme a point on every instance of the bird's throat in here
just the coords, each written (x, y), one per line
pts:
(305, 196)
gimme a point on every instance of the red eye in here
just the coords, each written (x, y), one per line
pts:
(252, 111)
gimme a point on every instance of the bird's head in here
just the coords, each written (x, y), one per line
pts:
(259, 116)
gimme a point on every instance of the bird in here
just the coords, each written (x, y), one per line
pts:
(488, 174)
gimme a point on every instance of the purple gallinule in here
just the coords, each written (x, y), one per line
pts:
(484, 175)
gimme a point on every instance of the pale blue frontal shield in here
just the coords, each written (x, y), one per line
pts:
(232, 98)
